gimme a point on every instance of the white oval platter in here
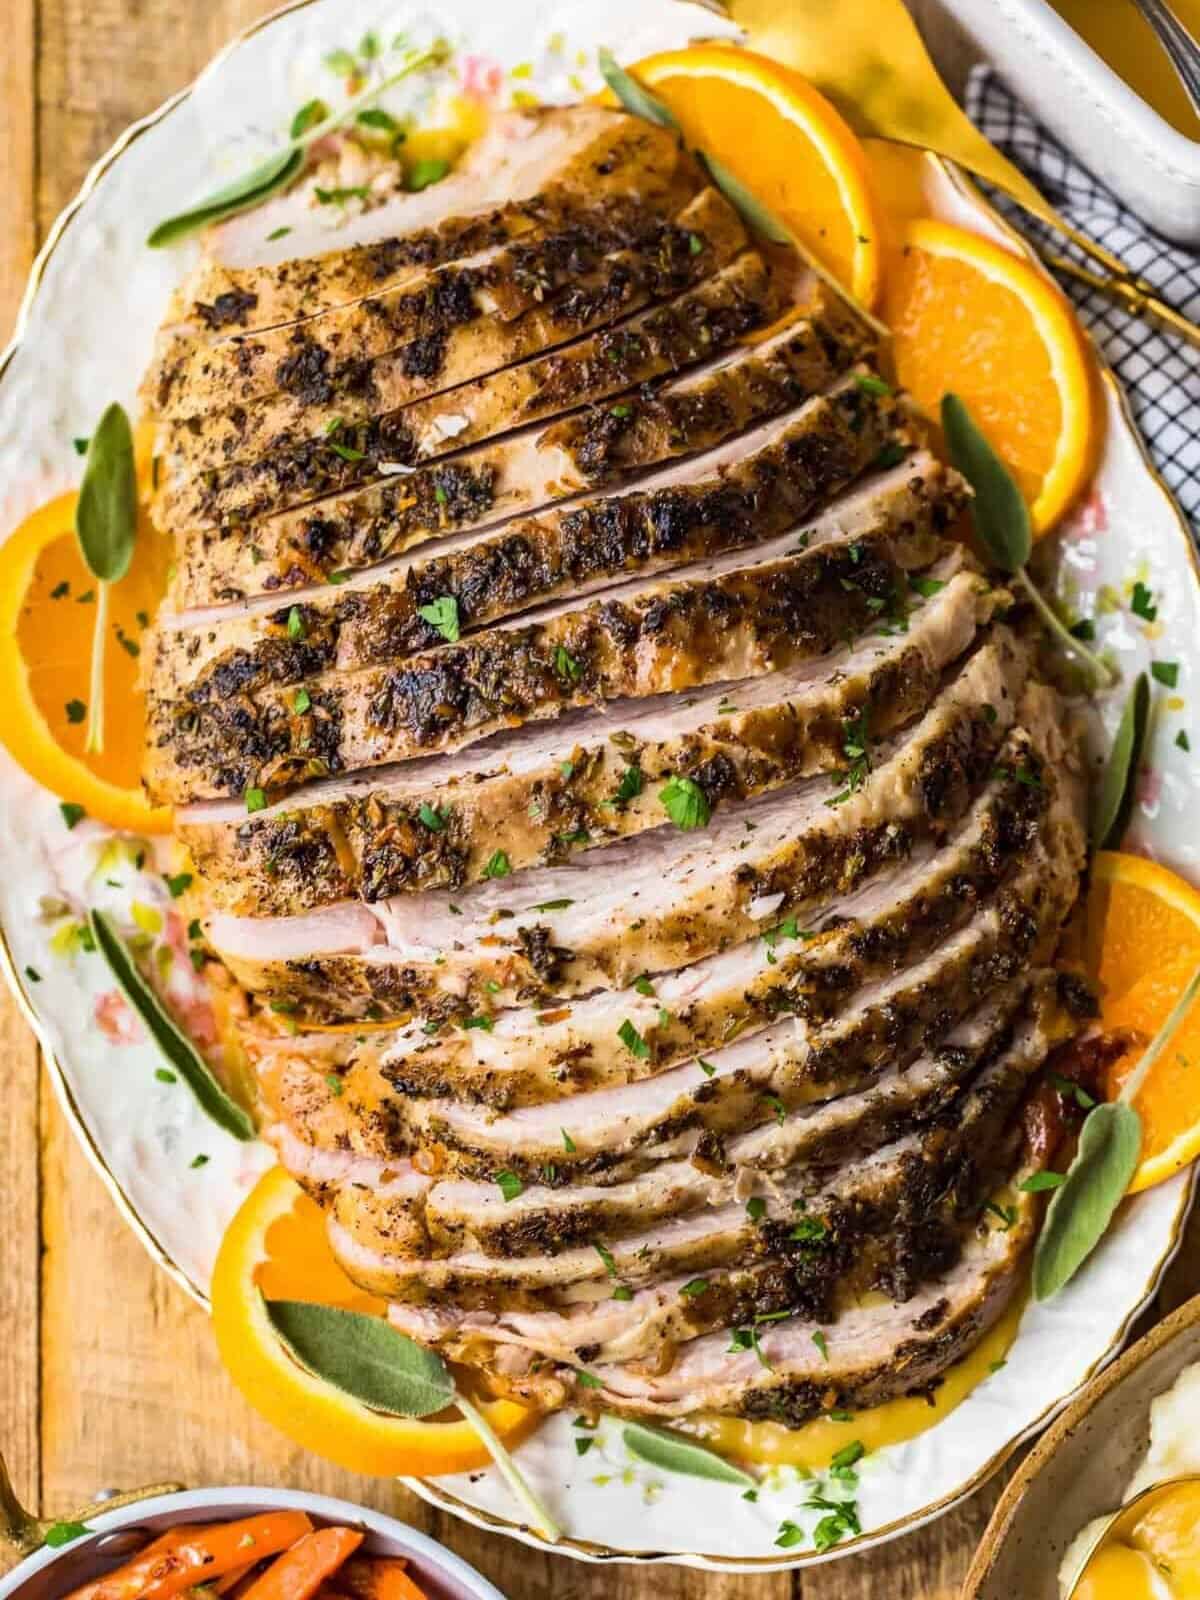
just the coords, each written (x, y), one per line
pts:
(84, 336)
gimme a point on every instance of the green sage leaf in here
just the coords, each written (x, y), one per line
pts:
(250, 190)
(998, 510)
(106, 512)
(1114, 794)
(671, 1452)
(166, 1033)
(749, 207)
(631, 94)
(364, 1357)
(280, 169)
(1082, 1206)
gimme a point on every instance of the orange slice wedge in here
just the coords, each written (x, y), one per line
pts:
(1142, 945)
(969, 317)
(786, 142)
(276, 1247)
(47, 613)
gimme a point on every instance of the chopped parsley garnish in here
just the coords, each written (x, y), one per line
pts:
(819, 1340)
(582, 1446)
(256, 800)
(566, 771)
(622, 1292)
(632, 1040)
(706, 1067)
(694, 1287)
(848, 1456)
(756, 1208)
(482, 1021)
(1070, 1090)
(810, 1231)
(1005, 1215)
(177, 883)
(777, 1106)
(870, 384)
(165, 1075)
(568, 1142)
(856, 749)
(585, 1380)
(643, 985)
(301, 702)
(76, 710)
(433, 819)
(509, 1184)
(442, 614)
(695, 244)
(1166, 673)
(787, 929)
(606, 1256)
(632, 783)
(747, 1339)
(425, 172)
(295, 624)
(685, 803)
(346, 452)
(891, 455)
(1142, 603)
(1182, 741)
(621, 412)
(790, 1534)
(553, 905)
(198, 1161)
(1039, 1182)
(498, 865)
(926, 587)
(566, 665)
(334, 1084)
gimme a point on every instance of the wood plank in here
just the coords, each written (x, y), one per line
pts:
(19, 1103)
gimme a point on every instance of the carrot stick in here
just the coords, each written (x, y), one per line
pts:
(231, 1579)
(300, 1571)
(377, 1578)
(190, 1555)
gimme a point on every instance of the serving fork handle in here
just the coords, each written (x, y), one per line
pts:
(21, 1532)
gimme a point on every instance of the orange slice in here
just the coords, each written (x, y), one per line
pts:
(786, 142)
(1142, 942)
(970, 317)
(47, 613)
(276, 1246)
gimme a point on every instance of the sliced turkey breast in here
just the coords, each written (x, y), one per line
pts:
(843, 1233)
(531, 169)
(809, 452)
(658, 1316)
(669, 518)
(532, 466)
(543, 794)
(870, 1353)
(533, 1055)
(692, 327)
(312, 374)
(498, 284)
(651, 904)
(734, 617)
(501, 281)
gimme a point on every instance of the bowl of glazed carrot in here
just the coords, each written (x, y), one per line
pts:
(242, 1544)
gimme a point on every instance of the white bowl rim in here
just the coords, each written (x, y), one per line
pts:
(327, 1507)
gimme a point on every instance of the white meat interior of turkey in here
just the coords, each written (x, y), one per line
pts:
(584, 720)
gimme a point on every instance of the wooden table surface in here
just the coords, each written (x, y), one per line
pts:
(108, 1375)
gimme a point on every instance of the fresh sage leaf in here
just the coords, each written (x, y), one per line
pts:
(251, 189)
(167, 1035)
(60, 1533)
(671, 1452)
(748, 206)
(631, 94)
(1115, 792)
(106, 511)
(280, 169)
(1082, 1207)
(364, 1357)
(998, 510)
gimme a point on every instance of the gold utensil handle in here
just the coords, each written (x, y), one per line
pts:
(21, 1532)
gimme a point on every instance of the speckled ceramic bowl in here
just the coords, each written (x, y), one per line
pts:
(1081, 1466)
(49, 1574)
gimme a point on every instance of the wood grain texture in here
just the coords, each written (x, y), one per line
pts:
(108, 1374)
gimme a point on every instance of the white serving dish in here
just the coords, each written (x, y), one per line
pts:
(1154, 168)
(49, 1573)
(85, 335)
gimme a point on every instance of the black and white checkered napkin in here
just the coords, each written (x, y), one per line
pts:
(1161, 373)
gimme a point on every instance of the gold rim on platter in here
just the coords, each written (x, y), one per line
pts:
(428, 1488)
